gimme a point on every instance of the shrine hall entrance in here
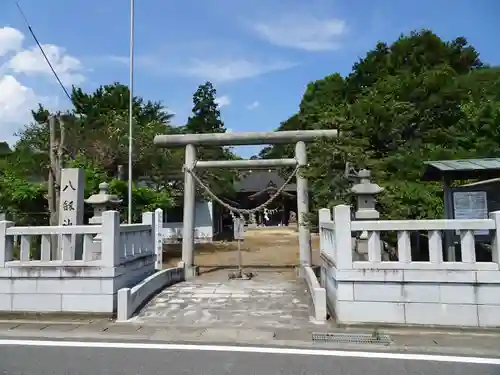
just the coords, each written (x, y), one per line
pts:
(256, 188)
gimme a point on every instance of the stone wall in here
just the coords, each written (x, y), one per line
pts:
(114, 256)
(203, 225)
(86, 288)
(403, 292)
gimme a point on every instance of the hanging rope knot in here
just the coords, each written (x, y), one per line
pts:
(241, 211)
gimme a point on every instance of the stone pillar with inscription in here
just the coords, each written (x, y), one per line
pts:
(71, 207)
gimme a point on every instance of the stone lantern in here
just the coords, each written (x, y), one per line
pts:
(101, 202)
(366, 193)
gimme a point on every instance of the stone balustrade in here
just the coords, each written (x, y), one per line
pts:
(84, 276)
(30, 241)
(404, 291)
(137, 239)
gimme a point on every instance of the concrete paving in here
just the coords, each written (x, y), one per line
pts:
(277, 300)
(472, 344)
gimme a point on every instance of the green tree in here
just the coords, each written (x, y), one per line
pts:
(206, 115)
(206, 118)
(4, 149)
(419, 98)
(98, 127)
(97, 140)
(21, 200)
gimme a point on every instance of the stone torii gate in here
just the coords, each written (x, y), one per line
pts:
(189, 141)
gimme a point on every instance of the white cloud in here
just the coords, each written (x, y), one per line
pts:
(11, 40)
(14, 97)
(230, 70)
(143, 61)
(18, 99)
(196, 59)
(16, 103)
(303, 32)
(253, 105)
(223, 101)
(31, 62)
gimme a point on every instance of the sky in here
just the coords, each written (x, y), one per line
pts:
(259, 54)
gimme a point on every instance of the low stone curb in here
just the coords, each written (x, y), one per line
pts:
(100, 331)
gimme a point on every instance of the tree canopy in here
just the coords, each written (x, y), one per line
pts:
(206, 118)
(419, 98)
(96, 139)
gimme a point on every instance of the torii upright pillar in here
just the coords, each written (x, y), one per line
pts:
(189, 212)
(303, 206)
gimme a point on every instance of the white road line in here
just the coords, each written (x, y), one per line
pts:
(253, 349)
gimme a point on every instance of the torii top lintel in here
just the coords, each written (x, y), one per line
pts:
(241, 139)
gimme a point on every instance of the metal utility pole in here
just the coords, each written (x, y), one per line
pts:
(131, 114)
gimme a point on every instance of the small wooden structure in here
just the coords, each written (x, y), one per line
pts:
(258, 186)
(472, 200)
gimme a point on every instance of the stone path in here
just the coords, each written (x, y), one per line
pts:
(276, 300)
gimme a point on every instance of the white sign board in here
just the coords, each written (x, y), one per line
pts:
(158, 224)
(471, 205)
(239, 228)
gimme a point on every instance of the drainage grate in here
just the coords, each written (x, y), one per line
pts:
(352, 338)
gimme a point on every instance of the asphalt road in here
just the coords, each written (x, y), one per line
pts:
(91, 358)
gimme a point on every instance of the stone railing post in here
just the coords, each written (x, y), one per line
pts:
(325, 215)
(6, 243)
(343, 242)
(158, 234)
(149, 219)
(495, 248)
(110, 240)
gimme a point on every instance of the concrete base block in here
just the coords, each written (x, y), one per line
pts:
(358, 312)
(441, 297)
(300, 272)
(50, 288)
(191, 271)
